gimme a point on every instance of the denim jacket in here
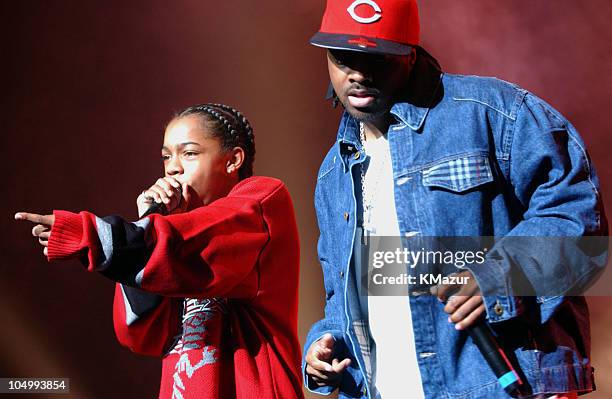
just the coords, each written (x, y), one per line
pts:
(534, 179)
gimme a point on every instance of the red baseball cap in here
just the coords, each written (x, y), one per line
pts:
(373, 26)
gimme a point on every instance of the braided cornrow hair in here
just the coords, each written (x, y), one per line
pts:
(231, 127)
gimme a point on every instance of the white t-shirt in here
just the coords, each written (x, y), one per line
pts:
(395, 371)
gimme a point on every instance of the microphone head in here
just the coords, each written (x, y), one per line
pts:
(157, 208)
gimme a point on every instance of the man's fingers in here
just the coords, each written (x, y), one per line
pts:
(44, 235)
(464, 311)
(30, 217)
(168, 188)
(176, 185)
(336, 370)
(35, 218)
(445, 292)
(316, 374)
(318, 360)
(471, 318)
(454, 303)
(157, 193)
(45, 251)
(316, 356)
(466, 306)
(39, 229)
(339, 367)
(327, 341)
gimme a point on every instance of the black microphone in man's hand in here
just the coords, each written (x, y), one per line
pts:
(160, 207)
(507, 377)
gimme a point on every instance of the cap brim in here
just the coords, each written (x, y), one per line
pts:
(359, 43)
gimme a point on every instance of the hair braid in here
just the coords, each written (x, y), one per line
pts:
(231, 127)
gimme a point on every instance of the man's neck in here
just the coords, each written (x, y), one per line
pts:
(378, 127)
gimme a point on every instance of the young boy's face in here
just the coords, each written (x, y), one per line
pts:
(194, 157)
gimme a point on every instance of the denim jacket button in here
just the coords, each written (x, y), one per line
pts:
(346, 216)
(341, 274)
(498, 308)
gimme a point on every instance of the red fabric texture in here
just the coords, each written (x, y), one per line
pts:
(242, 249)
(152, 334)
(71, 236)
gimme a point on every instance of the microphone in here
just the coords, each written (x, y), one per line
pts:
(160, 207)
(507, 377)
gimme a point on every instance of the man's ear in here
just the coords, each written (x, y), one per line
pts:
(235, 160)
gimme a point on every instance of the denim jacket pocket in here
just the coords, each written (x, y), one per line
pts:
(460, 173)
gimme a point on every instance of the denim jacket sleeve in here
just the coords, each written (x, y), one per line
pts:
(553, 179)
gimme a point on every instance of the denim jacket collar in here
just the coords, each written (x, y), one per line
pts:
(405, 112)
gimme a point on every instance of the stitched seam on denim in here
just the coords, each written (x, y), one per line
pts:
(586, 161)
(486, 105)
(518, 99)
(464, 173)
(579, 279)
(467, 394)
(547, 298)
(559, 368)
(322, 175)
(508, 132)
(402, 120)
(420, 168)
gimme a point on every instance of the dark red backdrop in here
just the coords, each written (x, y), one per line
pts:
(88, 87)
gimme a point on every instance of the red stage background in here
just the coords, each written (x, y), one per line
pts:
(87, 88)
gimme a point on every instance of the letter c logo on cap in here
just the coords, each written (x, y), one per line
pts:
(377, 11)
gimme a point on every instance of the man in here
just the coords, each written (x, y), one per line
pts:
(421, 153)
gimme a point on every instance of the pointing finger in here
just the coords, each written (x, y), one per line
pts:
(35, 218)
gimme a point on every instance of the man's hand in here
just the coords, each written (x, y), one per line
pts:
(319, 363)
(166, 190)
(42, 230)
(462, 301)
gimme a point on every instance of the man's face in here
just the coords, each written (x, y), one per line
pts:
(193, 156)
(368, 84)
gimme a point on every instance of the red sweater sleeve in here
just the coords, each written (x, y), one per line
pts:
(145, 328)
(211, 251)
